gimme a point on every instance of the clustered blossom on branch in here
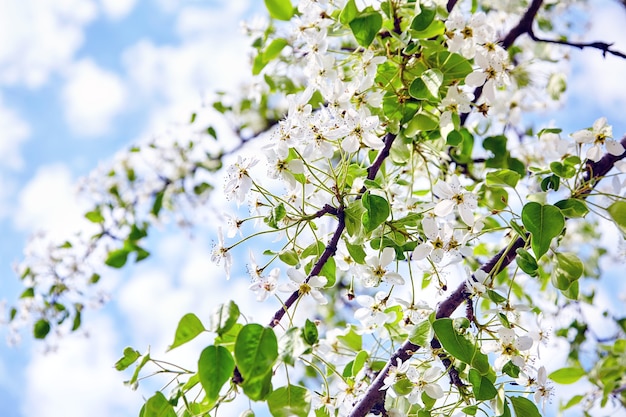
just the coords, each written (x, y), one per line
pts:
(396, 173)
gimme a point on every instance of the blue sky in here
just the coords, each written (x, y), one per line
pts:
(82, 79)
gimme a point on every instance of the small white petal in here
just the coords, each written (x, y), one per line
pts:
(614, 147)
(444, 207)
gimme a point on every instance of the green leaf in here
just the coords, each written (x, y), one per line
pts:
(418, 90)
(291, 346)
(94, 216)
(459, 347)
(576, 399)
(130, 356)
(329, 270)
(524, 407)
(158, 203)
(188, 328)
(290, 257)
(41, 328)
(422, 334)
(424, 19)
(483, 388)
(617, 211)
(215, 368)
(432, 80)
(526, 262)
(570, 264)
(276, 215)
(503, 178)
(77, 318)
(376, 211)
(224, 317)
(437, 27)
(352, 339)
(289, 401)
(551, 182)
(365, 26)
(452, 65)
(157, 406)
(211, 132)
(280, 9)
(274, 48)
(544, 222)
(511, 369)
(310, 333)
(348, 13)
(567, 375)
(357, 253)
(422, 122)
(144, 360)
(353, 216)
(562, 170)
(256, 350)
(454, 138)
(117, 258)
(572, 207)
(28, 293)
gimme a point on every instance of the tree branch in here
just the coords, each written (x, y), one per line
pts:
(331, 248)
(375, 396)
(603, 46)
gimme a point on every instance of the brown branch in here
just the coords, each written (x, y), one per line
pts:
(329, 251)
(331, 248)
(603, 46)
(375, 396)
(525, 25)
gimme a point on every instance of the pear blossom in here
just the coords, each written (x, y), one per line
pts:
(394, 373)
(451, 194)
(424, 381)
(311, 287)
(509, 346)
(598, 135)
(221, 253)
(436, 243)
(372, 313)
(239, 181)
(374, 271)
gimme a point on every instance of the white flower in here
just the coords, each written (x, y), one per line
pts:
(544, 390)
(491, 72)
(599, 135)
(451, 194)
(221, 253)
(437, 238)
(374, 271)
(372, 313)
(509, 346)
(360, 127)
(265, 286)
(424, 382)
(239, 181)
(304, 287)
(395, 372)
(455, 102)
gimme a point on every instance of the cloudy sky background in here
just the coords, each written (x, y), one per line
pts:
(81, 80)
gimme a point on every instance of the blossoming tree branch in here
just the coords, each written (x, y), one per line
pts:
(401, 179)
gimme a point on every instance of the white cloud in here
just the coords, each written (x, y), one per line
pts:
(596, 79)
(40, 37)
(92, 97)
(117, 9)
(48, 201)
(79, 379)
(14, 132)
(211, 56)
